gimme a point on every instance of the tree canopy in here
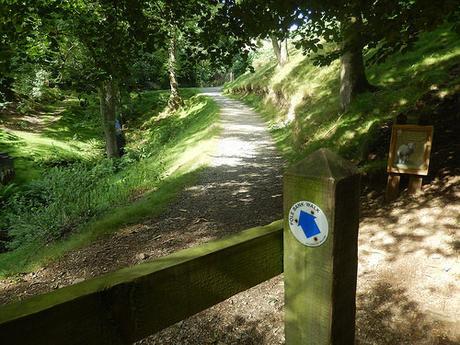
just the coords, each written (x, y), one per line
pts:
(328, 30)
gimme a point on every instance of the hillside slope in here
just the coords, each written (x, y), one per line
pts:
(301, 103)
(68, 205)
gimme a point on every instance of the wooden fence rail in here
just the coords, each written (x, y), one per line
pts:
(132, 303)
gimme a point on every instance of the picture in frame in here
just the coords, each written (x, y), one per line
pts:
(410, 149)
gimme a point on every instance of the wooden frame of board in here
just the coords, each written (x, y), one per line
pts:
(410, 149)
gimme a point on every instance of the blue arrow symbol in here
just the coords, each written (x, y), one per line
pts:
(308, 224)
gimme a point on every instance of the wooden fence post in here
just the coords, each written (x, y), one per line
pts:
(320, 280)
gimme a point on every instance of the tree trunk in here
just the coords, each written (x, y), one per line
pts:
(284, 54)
(280, 50)
(108, 103)
(276, 47)
(352, 74)
(175, 100)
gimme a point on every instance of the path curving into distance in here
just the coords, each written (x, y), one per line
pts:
(242, 186)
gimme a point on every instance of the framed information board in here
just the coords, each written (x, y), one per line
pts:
(410, 149)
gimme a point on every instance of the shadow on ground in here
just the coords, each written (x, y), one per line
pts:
(386, 315)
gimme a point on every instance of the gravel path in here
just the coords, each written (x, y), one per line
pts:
(245, 171)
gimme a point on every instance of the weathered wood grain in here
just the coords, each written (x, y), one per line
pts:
(132, 303)
(320, 282)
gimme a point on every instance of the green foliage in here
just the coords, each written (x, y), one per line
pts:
(32, 83)
(389, 26)
(46, 210)
(241, 63)
(6, 191)
(148, 71)
(345, 29)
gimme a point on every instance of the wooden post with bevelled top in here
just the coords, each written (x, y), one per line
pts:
(320, 282)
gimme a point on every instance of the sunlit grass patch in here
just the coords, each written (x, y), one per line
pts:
(32, 151)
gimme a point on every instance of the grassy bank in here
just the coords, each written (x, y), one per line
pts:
(82, 201)
(300, 100)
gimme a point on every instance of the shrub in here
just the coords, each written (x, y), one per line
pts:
(67, 196)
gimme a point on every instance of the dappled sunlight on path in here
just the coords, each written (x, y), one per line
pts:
(409, 268)
(242, 184)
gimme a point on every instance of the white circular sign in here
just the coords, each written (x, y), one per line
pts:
(308, 223)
